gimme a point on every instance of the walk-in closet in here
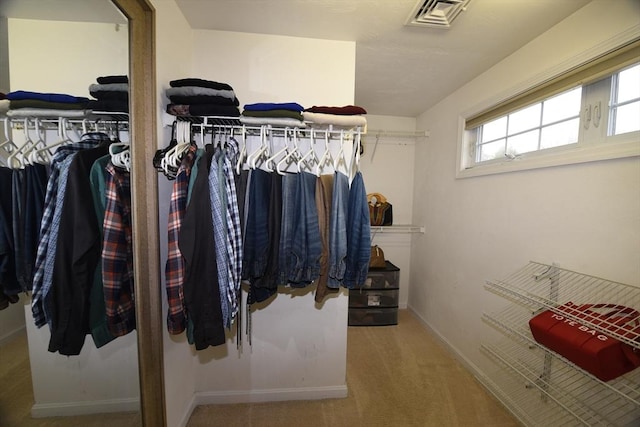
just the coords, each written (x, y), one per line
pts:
(187, 225)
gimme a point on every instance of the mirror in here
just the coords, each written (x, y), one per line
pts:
(148, 359)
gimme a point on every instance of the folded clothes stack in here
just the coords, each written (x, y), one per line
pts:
(48, 105)
(4, 104)
(199, 97)
(347, 116)
(111, 93)
(277, 114)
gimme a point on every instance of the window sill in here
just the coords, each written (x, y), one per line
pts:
(621, 146)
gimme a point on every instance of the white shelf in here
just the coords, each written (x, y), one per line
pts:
(540, 386)
(400, 229)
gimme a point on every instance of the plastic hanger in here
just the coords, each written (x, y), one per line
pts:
(262, 151)
(340, 159)
(243, 150)
(173, 157)
(292, 156)
(121, 158)
(310, 156)
(270, 163)
(8, 145)
(43, 155)
(326, 156)
(16, 159)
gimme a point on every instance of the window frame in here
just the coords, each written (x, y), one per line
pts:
(559, 80)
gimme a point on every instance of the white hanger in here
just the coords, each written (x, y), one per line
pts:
(243, 150)
(121, 158)
(43, 155)
(340, 157)
(271, 160)
(16, 159)
(8, 145)
(308, 161)
(263, 150)
(292, 156)
(326, 156)
(173, 157)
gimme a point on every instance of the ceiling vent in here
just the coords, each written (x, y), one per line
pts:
(436, 13)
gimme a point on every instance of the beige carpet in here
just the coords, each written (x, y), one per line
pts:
(396, 375)
(16, 395)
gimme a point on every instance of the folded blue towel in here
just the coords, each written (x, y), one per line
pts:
(266, 106)
(51, 97)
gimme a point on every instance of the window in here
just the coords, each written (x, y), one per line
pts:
(590, 113)
(625, 101)
(547, 124)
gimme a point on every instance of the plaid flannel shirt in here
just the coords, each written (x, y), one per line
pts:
(218, 218)
(175, 269)
(234, 233)
(117, 253)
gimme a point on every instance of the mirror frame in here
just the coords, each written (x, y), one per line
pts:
(144, 208)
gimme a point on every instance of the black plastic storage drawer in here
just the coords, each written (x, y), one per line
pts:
(363, 298)
(373, 316)
(383, 278)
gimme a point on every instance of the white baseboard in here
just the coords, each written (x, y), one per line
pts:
(468, 364)
(271, 395)
(259, 396)
(66, 409)
(188, 411)
(10, 335)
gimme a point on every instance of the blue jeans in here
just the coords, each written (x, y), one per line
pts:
(338, 230)
(256, 241)
(358, 235)
(306, 247)
(289, 183)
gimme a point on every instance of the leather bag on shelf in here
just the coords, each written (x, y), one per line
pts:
(377, 258)
(380, 210)
(589, 347)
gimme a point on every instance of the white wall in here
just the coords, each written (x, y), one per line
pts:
(12, 320)
(70, 55)
(584, 217)
(387, 167)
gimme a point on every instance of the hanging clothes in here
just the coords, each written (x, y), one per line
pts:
(201, 291)
(41, 303)
(324, 202)
(358, 235)
(97, 310)
(174, 269)
(9, 285)
(117, 253)
(76, 256)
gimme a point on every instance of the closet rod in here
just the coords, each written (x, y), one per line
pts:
(121, 119)
(226, 124)
(398, 133)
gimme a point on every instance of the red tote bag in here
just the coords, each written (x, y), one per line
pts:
(601, 355)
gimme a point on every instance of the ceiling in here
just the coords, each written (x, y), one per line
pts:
(400, 70)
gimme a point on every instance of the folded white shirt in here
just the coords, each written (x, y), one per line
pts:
(335, 119)
(275, 121)
(46, 112)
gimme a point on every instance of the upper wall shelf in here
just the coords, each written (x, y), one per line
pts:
(401, 228)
